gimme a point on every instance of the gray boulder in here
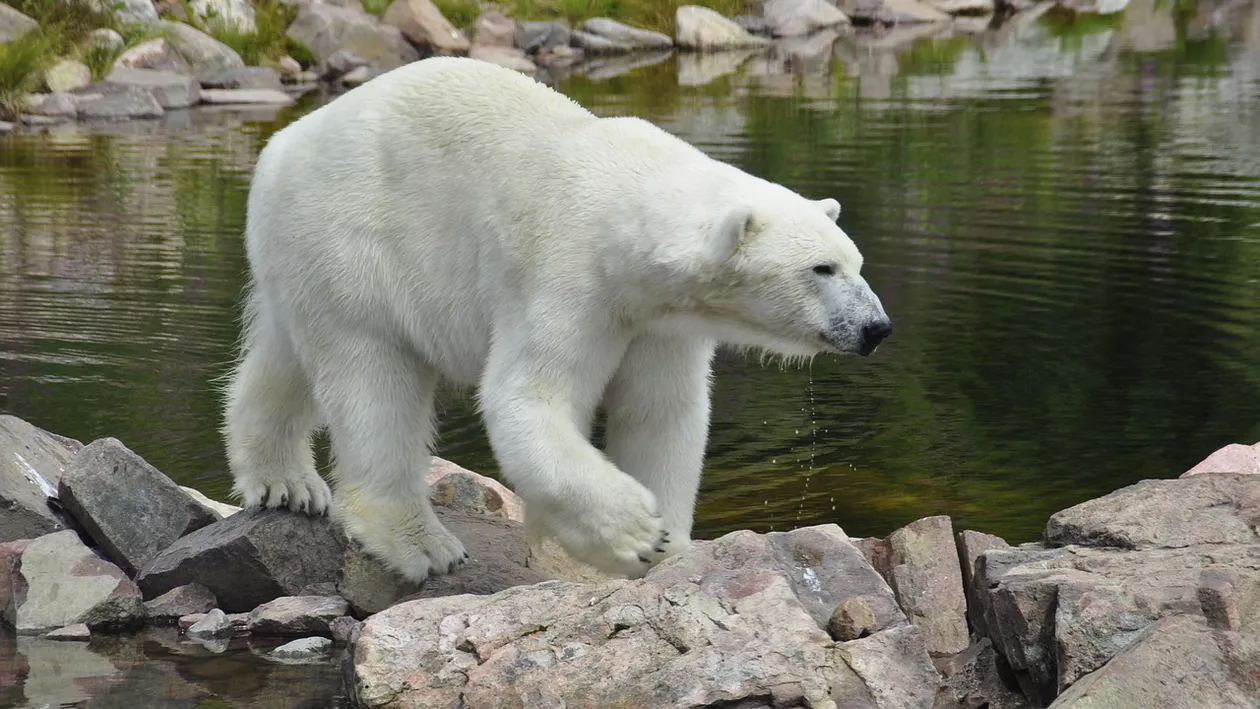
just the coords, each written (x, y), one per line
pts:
(210, 626)
(251, 77)
(67, 75)
(297, 615)
(206, 55)
(55, 581)
(626, 36)
(137, 12)
(118, 103)
(169, 607)
(892, 12)
(32, 462)
(59, 105)
(128, 507)
(158, 53)
(303, 650)
(326, 29)
(796, 18)
(250, 558)
(701, 29)
(14, 24)
(494, 29)
(534, 36)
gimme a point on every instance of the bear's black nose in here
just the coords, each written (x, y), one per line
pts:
(873, 334)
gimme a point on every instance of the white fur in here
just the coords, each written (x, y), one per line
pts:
(453, 219)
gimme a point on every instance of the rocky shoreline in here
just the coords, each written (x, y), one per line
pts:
(180, 66)
(1148, 597)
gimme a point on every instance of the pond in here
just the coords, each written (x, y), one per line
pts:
(1063, 221)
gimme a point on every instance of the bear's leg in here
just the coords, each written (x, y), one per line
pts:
(378, 402)
(268, 422)
(658, 422)
(541, 383)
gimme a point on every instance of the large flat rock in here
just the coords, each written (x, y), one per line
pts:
(129, 507)
(731, 623)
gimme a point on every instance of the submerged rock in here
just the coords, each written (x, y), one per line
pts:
(210, 626)
(304, 649)
(129, 507)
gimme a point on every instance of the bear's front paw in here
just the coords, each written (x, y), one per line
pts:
(298, 490)
(614, 527)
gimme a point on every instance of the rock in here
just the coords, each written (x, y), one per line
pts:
(971, 545)
(503, 56)
(105, 37)
(701, 29)
(134, 12)
(326, 29)
(891, 12)
(220, 508)
(964, 7)
(404, 49)
(423, 24)
(78, 631)
(288, 66)
(494, 29)
(1175, 663)
(34, 120)
(250, 558)
(61, 105)
(344, 629)
(205, 55)
(304, 649)
(1165, 514)
(1229, 600)
(6, 127)
(1094, 7)
(67, 75)
(1059, 614)
(187, 621)
(796, 18)
(625, 35)
(14, 24)
(32, 462)
(753, 24)
(157, 54)
(924, 573)
(728, 624)
(340, 63)
(239, 96)
(895, 667)
(57, 581)
(533, 36)
(974, 678)
(210, 626)
(297, 615)
(251, 77)
(359, 76)
(128, 507)
(499, 559)
(237, 14)
(1233, 458)
(180, 602)
(594, 44)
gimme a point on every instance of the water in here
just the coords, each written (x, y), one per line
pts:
(1063, 222)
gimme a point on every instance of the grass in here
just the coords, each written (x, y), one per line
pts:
(265, 43)
(66, 22)
(22, 64)
(377, 7)
(650, 14)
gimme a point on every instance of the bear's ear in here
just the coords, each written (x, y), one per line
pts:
(726, 233)
(830, 207)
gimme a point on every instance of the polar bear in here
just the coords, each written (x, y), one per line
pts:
(454, 220)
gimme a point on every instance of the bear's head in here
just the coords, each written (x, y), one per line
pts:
(777, 273)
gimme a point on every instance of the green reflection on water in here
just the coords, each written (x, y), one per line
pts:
(1071, 256)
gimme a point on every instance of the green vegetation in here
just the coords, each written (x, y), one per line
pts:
(651, 14)
(22, 64)
(265, 44)
(378, 7)
(67, 22)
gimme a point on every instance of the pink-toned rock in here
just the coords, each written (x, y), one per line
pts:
(499, 501)
(423, 23)
(1233, 458)
(730, 624)
(494, 29)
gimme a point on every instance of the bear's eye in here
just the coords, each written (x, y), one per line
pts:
(825, 269)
